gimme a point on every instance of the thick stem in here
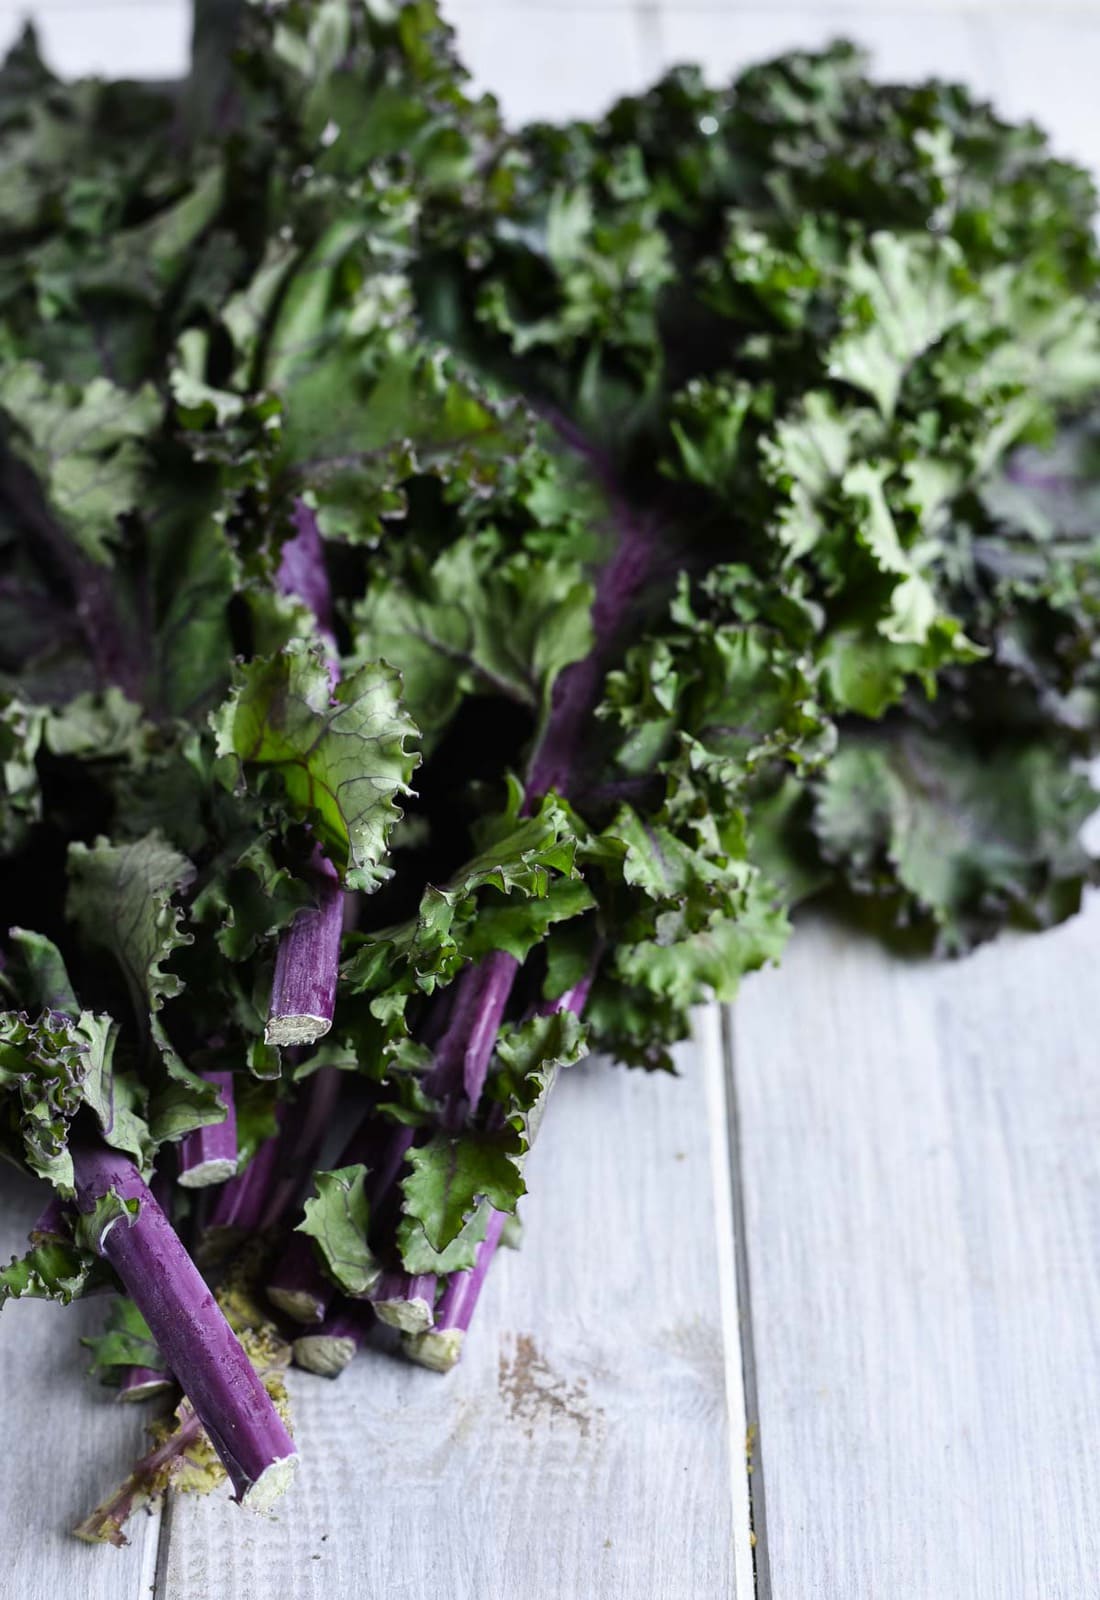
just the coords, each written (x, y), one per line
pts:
(209, 1155)
(241, 1203)
(297, 1153)
(144, 1383)
(55, 1222)
(307, 963)
(298, 1287)
(464, 1050)
(461, 1058)
(262, 1195)
(441, 1347)
(303, 994)
(578, 686)
(576, 998)
(387, 1165)
(402, 1300)
(190, 1330)
(328, 1351)
(302, 575)
(117, 652)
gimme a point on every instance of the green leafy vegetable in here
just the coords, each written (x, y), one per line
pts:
(341, 754)
(460, 590)
(338, 1219)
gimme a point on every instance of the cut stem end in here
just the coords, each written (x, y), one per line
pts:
(286, 1030)
(298, 1304)
(207, 1173)
(272, 1483)
(325, 1354)
(439, 1349)
(409, 1316)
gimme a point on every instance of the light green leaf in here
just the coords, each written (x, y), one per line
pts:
(449, 1175)
(85, 444)
(903, 294)
(337, 1218)
(341, 754)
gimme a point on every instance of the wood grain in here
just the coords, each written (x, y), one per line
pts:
(584, 1449)
(66, 1441)
(923, 1220)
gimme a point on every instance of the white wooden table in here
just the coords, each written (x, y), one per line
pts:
(893, 1283)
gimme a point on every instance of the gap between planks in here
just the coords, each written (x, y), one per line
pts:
(726, 1114)
(749, 1550)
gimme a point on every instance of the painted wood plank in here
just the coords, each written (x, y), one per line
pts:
(918, 1151)
(67, 1442)
(1046, 69)
(1056, 11)
(590, 1445)
(115, 40)
(903, 45)
(1050, 10)
(550, 60)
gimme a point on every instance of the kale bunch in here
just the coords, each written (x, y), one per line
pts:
(459, 589)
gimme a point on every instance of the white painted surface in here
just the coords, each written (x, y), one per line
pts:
(116, 39)
(553, 63)
(726, 41)
(1039, 68)
(919, 1157)
(589, 1445)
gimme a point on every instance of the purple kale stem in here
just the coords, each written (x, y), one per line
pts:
(145, 1483)
(461, 1058)
(387, 1164)
(54, 1223)
(209, 1155)
(574, 999)
(116, 650)
(302, 575)
(298, 1286)
(298, 1151)
(405, 1301)
(619, 584)
(261, 1195)
(303, 994)
(189, 1329)
(144, 1383)
(240, 1203)
(441, 1347)
(462, 1055)
(334, 1344)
